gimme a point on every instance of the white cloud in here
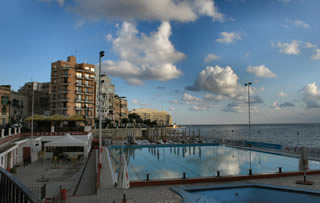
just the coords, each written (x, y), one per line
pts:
(316, 54)
(261, 71)
(211, 57)
(163, 10)
(217, 80)
(212, 97)
(144, 57)
(289, 48)
(60, 2)
(108, 37)
(311, 95)
(199, 108)
(189, 99)
(276, 106)
(300, 23)
(136, 102)
(175, 101)
(283, 94)
(228, 37)
(309, 45)
(79, 24)
(222, 83)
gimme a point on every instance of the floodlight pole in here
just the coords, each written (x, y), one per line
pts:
(248, 85)
(101, 54)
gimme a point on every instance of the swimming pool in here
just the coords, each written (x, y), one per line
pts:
(250, 192)
(195, 160)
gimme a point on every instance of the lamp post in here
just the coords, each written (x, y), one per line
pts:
(248, 85)
(101, 54)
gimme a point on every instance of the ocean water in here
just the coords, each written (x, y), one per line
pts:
(284, 134)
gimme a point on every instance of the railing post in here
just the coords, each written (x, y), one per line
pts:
(19, 130)
(2, 133)
(9, 131)
(15, 130)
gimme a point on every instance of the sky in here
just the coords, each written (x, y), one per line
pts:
(188, 57)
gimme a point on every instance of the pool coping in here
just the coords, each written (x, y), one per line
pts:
(177, 181)
(185, 192)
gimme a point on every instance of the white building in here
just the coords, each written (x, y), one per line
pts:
(107, 96)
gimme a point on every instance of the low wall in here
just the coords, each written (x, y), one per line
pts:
(118, 133)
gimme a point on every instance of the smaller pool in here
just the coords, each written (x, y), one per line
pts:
(247, 193)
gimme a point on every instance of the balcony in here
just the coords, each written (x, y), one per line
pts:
(53, 84)
(89, 93)
(79, 100)
(64, 99)
(64, 91)
(66, 67)
(79, 77)
(65, 75)
(79, 92)
(88, 101)
(64, 83)
(90, 86)
(79, 84)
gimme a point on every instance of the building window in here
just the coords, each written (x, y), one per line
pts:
(78, 105)
(87, 68)
(86, 83)
(86, 76)
(79, 82)
(2, 160)
(4, 110)
(79, 97)
(92, 69)
(79, 75)
(92, 76)
(65, 80)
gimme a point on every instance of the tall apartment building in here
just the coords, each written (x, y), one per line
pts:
(162, 117)
(5, 91)
(120, 108)
(73, 89)
(107, 96)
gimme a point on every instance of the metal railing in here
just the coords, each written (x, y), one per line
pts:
(13, 190)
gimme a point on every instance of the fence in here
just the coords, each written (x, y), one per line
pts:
(14, 191)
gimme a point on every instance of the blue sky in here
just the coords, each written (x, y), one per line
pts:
(190, 58)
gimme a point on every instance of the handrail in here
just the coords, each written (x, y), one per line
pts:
(12, 190)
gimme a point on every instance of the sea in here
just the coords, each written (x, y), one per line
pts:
(307, 135)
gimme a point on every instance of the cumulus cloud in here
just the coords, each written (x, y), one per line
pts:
(217, 80)
(228, 37)
(163, 10)
(189, 99)
(222, 84)
(175, 101)
(309, 45)
(275, 105)
(288, 48)
(316, 54)
(261, 71)
(212, 97)
(283, 94)
(311, 95)
(298, 23)
(211, 57)
(199, 108)
(143, 57)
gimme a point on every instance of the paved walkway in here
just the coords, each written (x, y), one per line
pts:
(88, 181)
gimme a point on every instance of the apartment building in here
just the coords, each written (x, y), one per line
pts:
(5, 91)
(107, 96)
(162, 117)
(73, 89)
(120, 108)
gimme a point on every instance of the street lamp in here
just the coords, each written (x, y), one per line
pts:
(248, 85)
(101, 54)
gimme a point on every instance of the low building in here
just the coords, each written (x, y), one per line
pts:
(120, 108)
(5, 92)
(21, 101)
(162, 117)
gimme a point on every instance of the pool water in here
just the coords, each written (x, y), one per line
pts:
(248, 193)
(171, 161)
